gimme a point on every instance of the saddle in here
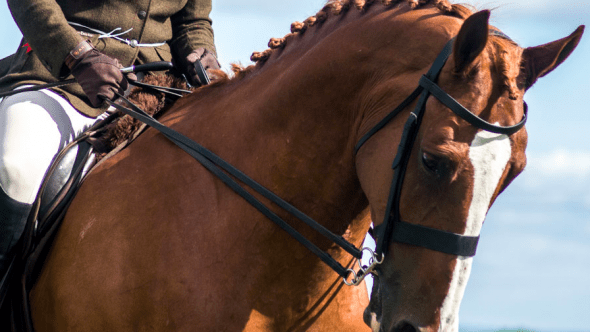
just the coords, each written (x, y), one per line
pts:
(61, 183)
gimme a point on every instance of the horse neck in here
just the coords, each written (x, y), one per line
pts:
(292, 122)
(290, 128)
(291, 125)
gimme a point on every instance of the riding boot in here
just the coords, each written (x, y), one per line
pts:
(13, 217)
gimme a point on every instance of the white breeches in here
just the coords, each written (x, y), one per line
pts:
(34, 127)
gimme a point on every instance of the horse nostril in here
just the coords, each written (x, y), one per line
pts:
(405, 327)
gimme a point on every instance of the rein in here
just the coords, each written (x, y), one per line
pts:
(219, 167)
(152, 66)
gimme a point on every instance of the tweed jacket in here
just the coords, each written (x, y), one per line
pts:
(52, 28)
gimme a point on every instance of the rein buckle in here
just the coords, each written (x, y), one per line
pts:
(359, 276)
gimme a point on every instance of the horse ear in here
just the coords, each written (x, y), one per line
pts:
(540, 60)
(471, 40)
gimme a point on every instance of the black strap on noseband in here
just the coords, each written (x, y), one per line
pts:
(393, 228)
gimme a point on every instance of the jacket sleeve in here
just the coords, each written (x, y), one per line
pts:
(47, 31)
(191, 28)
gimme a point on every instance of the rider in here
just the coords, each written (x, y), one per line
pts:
(89, 41)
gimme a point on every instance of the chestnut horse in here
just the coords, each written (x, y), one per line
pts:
(153, 241)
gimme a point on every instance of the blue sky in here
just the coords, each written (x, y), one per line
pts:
(533, 263)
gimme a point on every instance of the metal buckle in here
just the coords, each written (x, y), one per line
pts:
(359, 276)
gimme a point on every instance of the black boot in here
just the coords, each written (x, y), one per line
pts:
(13, 217)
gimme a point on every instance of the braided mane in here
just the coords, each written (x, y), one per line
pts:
(507, 58)
(334, 8)
(338, 7)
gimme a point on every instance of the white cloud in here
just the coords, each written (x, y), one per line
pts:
(546, 18)
(518, 275)
(533, 6)
(555, 181)
(560, 163)
(268, 7)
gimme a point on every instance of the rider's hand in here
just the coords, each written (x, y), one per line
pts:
(98, 74)
(188, 66)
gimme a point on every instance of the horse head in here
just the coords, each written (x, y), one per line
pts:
(455, 169)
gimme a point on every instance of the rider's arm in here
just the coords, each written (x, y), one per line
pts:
(191, 29)
(192, 39)
(47, 31)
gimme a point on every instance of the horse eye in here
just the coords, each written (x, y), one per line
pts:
(430, 162)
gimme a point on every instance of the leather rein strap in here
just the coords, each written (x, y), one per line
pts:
(393, 228)
(219, 167)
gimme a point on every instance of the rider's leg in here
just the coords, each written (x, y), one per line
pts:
(34, 127)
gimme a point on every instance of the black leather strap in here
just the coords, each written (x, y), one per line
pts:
(465, 114)
(388, 118)
(202, 73)
(440, 60)
(38, 87)
(173, 92)
(399, 166)
(433, 73)
(393, 228)
(218, 167)
(434, 239)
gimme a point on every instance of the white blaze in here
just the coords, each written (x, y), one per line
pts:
(489, 154)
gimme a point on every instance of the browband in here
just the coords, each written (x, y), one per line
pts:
(465, 114)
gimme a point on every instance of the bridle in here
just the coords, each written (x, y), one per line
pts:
(393, 229)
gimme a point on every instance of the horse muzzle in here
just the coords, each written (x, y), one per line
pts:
(370, 318)
(373, 314)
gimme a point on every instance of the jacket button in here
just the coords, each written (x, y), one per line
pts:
(142, 14)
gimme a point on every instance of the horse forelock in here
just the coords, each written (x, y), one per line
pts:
(507, 55)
